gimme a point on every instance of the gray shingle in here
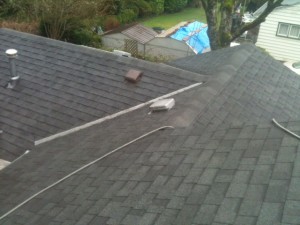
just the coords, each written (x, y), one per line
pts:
(277, 191)
(216, 193)
(186, 215)
(250, 207)
(228, 210)
(270, 214)
(206, 214)
(236, 190)
(291, 212)
(256, 192)
(244, 220)
(208, 176)
(261, 174)
(286, 154)
(294, 190)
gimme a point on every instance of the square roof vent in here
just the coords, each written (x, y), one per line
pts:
(133, 76)
(164, 104)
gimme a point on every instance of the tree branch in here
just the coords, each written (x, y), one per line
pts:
(204, 4)
(272, 4)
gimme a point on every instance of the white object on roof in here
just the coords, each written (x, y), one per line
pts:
(164, 104)
(294, 66)
(3, 163)
(11, 53)
(232, 44)
(122, 53)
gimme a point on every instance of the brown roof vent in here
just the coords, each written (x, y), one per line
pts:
(133, 76)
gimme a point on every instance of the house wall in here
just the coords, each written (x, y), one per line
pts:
(168, 47)
(281, 48)
(114, 41)
(159, 46)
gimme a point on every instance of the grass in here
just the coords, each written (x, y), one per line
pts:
(169, 20)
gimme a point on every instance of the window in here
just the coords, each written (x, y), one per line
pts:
(294, 31)
(283, 29)
(288, 30)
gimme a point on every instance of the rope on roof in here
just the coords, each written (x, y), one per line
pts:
(285, 129)
(82, 168)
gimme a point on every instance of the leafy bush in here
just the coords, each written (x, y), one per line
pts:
(77, 32)
(9, 9)
(194, 3)
(16, 9)
(144, 8)
(157, 6)
(127, 16)
(84, 36)
(140, 8)
(28, 27)
(111, 22)
(172, 6)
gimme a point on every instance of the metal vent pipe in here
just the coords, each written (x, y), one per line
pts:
(12, 55)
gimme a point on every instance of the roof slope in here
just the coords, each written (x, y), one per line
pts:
(140, 33)
(260, 10)
(64, 85)
(224, 163)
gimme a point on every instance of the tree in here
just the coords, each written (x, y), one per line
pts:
(56, 17)
(59, 16)
(220, 33)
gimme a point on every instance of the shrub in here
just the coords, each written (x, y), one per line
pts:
(27, 27)
(77, 32)
(144, 8)
(157, 6)
(195, 3)
(172, 6)
(111, 22)
(84, 36)
(140, 8)
(127, 16)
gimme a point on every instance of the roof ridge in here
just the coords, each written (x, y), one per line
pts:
(112, 116)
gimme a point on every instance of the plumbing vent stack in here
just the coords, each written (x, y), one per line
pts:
(12, 55)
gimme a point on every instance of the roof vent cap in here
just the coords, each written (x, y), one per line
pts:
(133, 76)
(11, 53)
(164, 104)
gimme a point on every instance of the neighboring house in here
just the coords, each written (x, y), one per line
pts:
(221, 160)
(132, 38)
(279, 35)
(145, 41)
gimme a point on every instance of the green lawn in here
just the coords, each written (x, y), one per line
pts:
(169, 20)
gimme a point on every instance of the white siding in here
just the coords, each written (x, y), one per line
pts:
(114, 41)
(168, 47)
(165, 47)
(280, 48)
(117, 41)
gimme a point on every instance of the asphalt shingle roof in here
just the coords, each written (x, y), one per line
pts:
(224, 162)
(64, 85)
(140, 33)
